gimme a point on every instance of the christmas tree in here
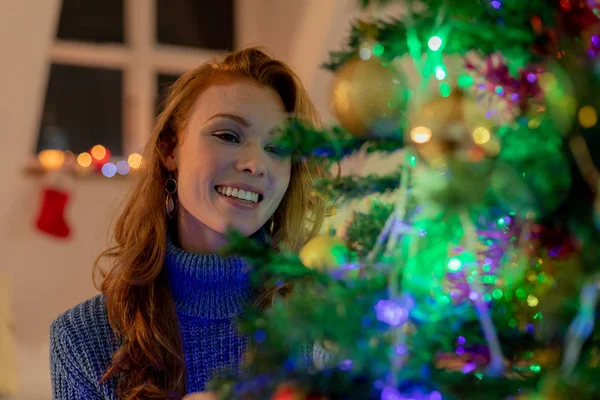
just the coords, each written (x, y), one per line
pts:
(480, 279)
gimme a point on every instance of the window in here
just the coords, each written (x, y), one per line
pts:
(163, 83)
(193, 23)
(83, 105)
(92, 21)
(111, 61)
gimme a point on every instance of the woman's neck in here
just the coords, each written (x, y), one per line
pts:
(195, 237)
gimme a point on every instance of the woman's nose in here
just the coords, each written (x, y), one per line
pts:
(253, 163)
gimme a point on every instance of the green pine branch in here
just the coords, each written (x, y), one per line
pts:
(467, 25)
(301, 140)
(346, 188)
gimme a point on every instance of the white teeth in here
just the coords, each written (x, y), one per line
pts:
(239, 193)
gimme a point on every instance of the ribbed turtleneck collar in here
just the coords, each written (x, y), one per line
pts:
(209, 286)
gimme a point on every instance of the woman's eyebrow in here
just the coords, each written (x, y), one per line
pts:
(236, 118)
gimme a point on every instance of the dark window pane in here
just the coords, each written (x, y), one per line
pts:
(83, 108)
(164, 82)
(92, 21)
(193, 23)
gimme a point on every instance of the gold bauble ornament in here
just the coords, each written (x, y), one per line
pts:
(454, 143)
(324, 253)
(456, 125)
(369, 98)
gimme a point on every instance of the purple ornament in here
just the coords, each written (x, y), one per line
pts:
(391, 312)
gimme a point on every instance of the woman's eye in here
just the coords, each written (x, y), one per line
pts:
(227, 136)
(277, 150)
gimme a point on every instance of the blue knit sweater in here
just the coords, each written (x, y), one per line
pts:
(208, 291)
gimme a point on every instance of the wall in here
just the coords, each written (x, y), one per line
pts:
(47, 275)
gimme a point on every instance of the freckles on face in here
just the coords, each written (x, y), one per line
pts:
(227, 146)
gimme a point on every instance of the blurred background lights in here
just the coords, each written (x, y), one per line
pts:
(440, 74)
(109, 170)
(51, 159)
(84, 160)
(123, 167)
(98, 152)
(365, 53)
(134, 160)
(454, 265)
(435, 43)
(420, 134)
(588, 117)
(481, 135)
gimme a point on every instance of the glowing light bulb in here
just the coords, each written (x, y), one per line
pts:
(134, 160)
(51, 159)
(365, 53)
(420, 134)
(123, 167)
(532, 301)
(109, 170)
(435, 43)
(481, 135)
(84, 159)
(378, 49)
(98, 152)
(588, 117)
(440, 74)
(454, 265)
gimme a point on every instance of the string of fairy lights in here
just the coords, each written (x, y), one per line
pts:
(98, 160)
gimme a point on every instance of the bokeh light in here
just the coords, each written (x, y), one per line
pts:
(365, 53)
(84, 159)
(454, 264)
(588, 117)
(534, 123)
(481, 135)
(445, 89)
(51, 159)
(464, 81)
(123, 167)
(435, 43)
(532, 301)
(109, 170)
(134, 160)
(420, 134)
(440, 73)
(98, 152)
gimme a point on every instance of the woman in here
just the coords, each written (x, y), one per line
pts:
(164, 323)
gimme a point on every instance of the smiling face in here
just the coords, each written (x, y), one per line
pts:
(229, 174)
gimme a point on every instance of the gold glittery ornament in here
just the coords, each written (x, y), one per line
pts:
(369, 98)
(324, 252)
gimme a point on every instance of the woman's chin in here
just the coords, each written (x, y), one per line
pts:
(241, 227)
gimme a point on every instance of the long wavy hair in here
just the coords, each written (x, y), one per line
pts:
(150, 361)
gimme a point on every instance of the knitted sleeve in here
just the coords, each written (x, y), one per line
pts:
(69, 380)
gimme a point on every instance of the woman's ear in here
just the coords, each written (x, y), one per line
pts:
(171, 161)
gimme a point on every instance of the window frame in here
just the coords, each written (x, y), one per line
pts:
(141, 59)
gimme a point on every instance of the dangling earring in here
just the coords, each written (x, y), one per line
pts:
(171, 202)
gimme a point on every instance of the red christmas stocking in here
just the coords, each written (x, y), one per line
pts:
(51, 219)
